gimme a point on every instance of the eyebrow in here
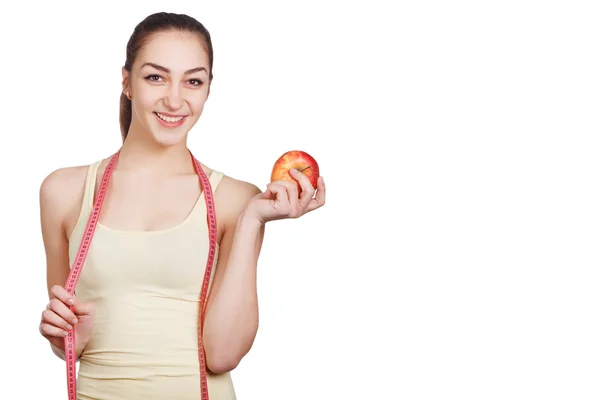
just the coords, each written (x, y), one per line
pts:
(166, 70)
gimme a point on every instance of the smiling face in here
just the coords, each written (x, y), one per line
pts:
(169, 84)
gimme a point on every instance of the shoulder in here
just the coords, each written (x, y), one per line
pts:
(233, 195)
(63, 182)
(60, 195)
(238, 188)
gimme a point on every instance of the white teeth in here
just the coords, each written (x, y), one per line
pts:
(169, 119)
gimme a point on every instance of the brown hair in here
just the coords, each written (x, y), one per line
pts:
(159, 22)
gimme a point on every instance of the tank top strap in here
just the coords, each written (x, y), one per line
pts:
(90, 187)
(215, 179)
(199, 211)
(87, 202)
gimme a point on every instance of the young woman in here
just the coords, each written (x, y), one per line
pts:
(135, 314)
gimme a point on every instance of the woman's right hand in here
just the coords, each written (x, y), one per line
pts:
(57, 319)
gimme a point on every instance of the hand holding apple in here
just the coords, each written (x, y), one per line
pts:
(296, 159)
(290, 193)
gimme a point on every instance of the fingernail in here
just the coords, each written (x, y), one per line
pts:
(69, 327)
(71, 301)
(74, 321)
(65, 333)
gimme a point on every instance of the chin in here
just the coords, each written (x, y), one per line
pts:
(169, 136)
(168, 139)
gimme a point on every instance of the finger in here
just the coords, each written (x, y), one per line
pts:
(49, 331)
(307, 189)
(281, 198)
(83, 309)
(49, 317)
(278, 189)
(269, 192)
(61, 293)
(319, 199)
(63, 311)
(291, 187)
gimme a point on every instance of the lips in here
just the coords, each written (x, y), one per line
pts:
(170, 121)
(170, 117)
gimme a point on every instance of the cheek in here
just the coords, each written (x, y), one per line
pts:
(197, 104)
(146, 100)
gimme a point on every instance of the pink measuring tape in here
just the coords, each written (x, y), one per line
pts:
(73, 277)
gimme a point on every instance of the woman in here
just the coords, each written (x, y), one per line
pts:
(135, 315)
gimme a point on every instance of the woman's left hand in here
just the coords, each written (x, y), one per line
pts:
(281, 199)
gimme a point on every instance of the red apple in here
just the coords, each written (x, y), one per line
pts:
(299, 160)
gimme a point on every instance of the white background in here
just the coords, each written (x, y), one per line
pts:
(457, 254)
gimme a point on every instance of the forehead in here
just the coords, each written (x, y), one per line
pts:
(178, 51)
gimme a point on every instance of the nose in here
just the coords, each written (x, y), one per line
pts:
(173, 98)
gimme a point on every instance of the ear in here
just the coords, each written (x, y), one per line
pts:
(125, 81)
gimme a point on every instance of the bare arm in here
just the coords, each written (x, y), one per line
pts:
(59, 196)
(231, 317)
(52, 213)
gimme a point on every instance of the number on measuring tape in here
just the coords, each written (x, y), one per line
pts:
(70, 345)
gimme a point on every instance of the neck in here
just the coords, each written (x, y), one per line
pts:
(140, 153)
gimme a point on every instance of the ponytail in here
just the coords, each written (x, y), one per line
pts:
(125, 115)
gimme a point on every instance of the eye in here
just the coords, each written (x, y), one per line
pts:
(151, 78)
(196, 82)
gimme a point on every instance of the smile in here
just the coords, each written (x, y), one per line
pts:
(169, 122)
(169, 119)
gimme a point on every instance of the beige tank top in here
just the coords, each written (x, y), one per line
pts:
(146, 290)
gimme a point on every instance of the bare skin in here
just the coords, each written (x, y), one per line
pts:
(141, 206)
(154, 186)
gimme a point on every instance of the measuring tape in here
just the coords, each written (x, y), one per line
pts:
(73, 277)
